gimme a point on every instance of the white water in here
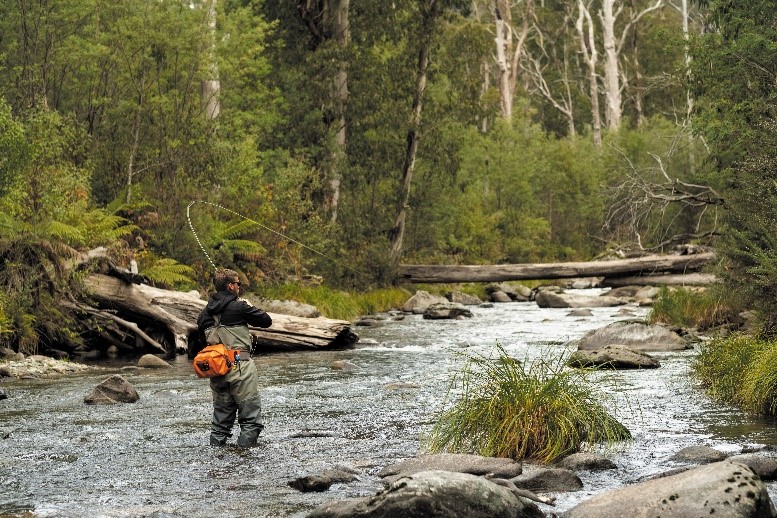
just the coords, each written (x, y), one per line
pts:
(66, 459)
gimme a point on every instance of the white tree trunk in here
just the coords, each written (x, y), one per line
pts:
(338, 19)
(588, 47)
(612, 87)
(211, 87)
(504, 48)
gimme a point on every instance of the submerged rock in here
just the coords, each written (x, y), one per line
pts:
(613, 357)
(459, 462)
(324, 480)
(438, 494)
(115, 389)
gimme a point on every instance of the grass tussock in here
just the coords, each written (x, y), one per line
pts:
(691, 308)
(539, 411)
(339, 304)
(741, 370)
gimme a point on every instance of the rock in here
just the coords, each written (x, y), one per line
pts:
(586, 461)
(7, 353)
(637, 336)
(324, 480)
(438, 494)
(3, 395)
(722, 489)
(344, 365)
(420, 301)
(698, 455)
(634, 293)
(613, 357)
(546, 480)
(500, 296)
(580, 313)
(459, 462)
(446, 310)
(463, 298)
(369, 322)
(548, 299)
(115, 389)
(149, 361)
(763, 466)
(5, 371)
(584, 283)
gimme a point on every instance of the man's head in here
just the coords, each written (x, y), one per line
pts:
(226, 280)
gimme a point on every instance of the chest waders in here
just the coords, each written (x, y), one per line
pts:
(237, 393)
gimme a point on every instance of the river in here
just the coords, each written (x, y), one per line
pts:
(63, 458)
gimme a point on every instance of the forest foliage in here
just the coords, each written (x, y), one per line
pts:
(293, 120)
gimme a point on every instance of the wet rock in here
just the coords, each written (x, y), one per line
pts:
(637, 336)
(115, 389)
(546, 480)
(446, 310)
(548, 299)
(586, 461)
(613, 357)
(519, 293)
(369, 322)
(500, 296)
(698, 455)
(463, 298)
(580, 313)
(324, 480)
(149, 361)
(763, 466)
(420, 301)
(459, 462)
(344, 365)
(722, 489)
(439, 494)
(3, 395)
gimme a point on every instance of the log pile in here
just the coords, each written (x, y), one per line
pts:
(165, 320)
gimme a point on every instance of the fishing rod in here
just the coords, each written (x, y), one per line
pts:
(246, 218)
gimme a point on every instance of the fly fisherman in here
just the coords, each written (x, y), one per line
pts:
(225, 320)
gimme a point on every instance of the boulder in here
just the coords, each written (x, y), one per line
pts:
(446, 310)
(582, 312)
(463, 298)
(547, 480)
(435, 494)
(763, 466)
(518, 293)
(500, 296)
(150, 361)
(698, 455)
(548, 299)
(586, 461)
(459, 462)
(722, 489)
(284, 307)
(324, 480)
(344, 365)
(115, 389)
(613, 357)
(637, 336)
(418, 303)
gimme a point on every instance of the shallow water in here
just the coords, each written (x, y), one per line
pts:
(67, 459)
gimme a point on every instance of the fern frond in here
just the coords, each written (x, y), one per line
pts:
(168, 272)
(63, 231)
(238, 230)
(245, 245)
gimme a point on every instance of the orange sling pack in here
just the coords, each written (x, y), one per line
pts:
(212, 361)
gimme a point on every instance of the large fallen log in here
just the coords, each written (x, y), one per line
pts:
(177, 313)
(512, 272)
(685, 279)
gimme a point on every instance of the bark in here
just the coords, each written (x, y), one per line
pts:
(176, 312)
(212, 86)
(686, 279)
(612, 87)
(512, 272)
(585, 33)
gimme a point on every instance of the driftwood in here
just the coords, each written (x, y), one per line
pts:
(512, 272)
(176, 312)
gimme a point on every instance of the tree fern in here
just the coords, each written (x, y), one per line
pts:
(168, 272)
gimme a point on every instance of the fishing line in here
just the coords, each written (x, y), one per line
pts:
(191, 226)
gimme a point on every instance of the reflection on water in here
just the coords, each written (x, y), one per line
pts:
(67, 459)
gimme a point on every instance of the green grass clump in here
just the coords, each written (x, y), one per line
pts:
(538, 411)
(741, 370)
(339, 304)
(691, 308)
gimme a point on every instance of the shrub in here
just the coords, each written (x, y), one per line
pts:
(741, 370)
(538, 411)
(691, 308)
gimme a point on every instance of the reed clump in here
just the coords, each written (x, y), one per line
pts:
(702, 309)
(741, 370)
(538, 411)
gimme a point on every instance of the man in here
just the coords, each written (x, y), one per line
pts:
(225, 320)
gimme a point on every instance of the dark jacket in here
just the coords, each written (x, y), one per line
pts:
(233, 312)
